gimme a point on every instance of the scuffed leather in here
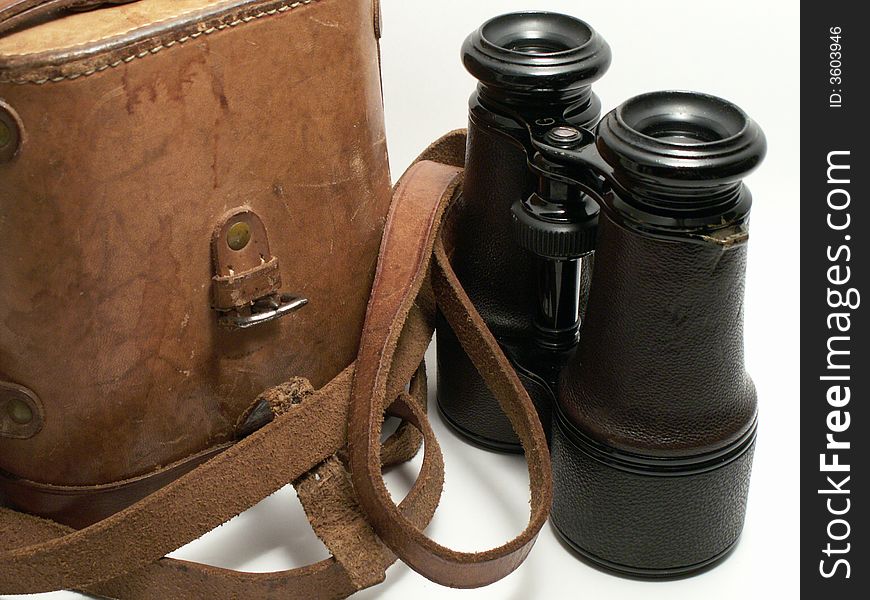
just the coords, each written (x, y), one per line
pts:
(106, 216)
(660, 368)
(659, 374)
(80, 506)
(498, 276)
(38, 555)
(18, 13)
(422, 197)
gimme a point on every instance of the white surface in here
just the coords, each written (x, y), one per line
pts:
(746, 51)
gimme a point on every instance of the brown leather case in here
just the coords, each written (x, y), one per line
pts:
(195, 207)
(136, 137)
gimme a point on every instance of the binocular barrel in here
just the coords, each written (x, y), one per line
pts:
(526, 63)
(656, 419)
(648, 407)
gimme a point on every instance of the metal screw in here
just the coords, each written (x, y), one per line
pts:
(238, 236)
(20, 412)
(564, 135)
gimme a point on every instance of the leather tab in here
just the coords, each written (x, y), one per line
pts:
(327, 495)
(237, 291)
(244, 268)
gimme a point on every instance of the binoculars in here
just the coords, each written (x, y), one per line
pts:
(607, 256)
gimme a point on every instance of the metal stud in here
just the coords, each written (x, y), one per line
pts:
(10, 132)
(564, 135)
(238, 236)
(21, 412)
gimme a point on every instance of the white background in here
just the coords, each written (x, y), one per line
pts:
(743, 50)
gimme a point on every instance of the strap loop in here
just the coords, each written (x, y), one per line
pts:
(421, 198)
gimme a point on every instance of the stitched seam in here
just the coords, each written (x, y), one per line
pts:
(166, 45)
(168, 19)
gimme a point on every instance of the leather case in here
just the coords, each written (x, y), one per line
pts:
(140, 131)
(209, 291)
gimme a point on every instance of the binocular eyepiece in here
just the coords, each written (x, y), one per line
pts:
(681, 156)
(536, 57)
(636, 365)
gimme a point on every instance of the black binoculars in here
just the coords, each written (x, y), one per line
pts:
(608, 258)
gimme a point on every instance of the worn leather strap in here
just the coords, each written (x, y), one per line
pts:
(17, 13)
(80, 506)
(399, 278)
(201, 500)
(359, 557)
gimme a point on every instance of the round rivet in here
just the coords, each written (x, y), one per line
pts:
(10, 132)
(564, 135)
(20, 412)
(238, 236)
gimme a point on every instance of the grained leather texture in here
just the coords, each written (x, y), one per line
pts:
(501, 279)
(659, 370)
(467, 404)
(498, 276)
(106, 217)
(646, 524)
(659, 380)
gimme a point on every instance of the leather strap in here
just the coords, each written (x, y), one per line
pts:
(169, 578)
(18, 13)
(203, 499)
(41, 556)
(399, 278)
(324, 489)
(80, 506)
